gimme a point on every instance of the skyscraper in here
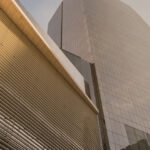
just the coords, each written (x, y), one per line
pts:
(113, 37)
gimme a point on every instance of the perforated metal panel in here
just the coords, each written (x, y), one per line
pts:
(38, 108)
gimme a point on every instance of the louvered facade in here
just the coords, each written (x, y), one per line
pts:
(39, 107)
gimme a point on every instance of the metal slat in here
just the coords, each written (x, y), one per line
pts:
(36, 103)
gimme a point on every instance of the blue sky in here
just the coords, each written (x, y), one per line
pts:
(43, 10)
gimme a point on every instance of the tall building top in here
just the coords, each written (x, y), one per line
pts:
(118, 44)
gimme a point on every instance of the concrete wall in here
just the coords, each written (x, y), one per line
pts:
(75, 32)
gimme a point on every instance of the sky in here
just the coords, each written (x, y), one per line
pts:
(43, 10)
(142, 7)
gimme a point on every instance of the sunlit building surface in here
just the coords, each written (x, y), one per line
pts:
(44, 101)
(110, 35)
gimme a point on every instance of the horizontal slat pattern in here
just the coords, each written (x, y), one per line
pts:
(35, 97)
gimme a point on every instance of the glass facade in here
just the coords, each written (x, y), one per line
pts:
(135, 135)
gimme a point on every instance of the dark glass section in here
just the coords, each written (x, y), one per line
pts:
(136, 135)
(87, 89)
(103, 130)
(140, 145)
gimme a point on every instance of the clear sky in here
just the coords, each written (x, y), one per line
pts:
(43, 10)
(142, 7)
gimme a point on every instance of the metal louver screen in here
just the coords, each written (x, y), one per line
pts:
(38, 108)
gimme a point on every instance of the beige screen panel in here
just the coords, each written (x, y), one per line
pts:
(38, 108)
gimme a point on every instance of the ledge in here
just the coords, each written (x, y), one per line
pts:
(49, 49)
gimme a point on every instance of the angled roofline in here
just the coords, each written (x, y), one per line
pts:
(19, 15)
